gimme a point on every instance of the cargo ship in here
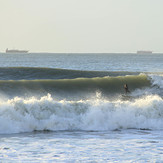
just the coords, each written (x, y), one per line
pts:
(144, 52)
(16, 51)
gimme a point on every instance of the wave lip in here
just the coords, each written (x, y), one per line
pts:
(26, 115)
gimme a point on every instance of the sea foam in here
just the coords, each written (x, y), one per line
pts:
(97, 114)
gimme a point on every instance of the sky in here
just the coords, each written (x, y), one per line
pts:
(81, 26)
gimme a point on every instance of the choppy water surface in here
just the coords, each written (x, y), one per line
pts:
(101, 62)
(73, 108)
(79, 146)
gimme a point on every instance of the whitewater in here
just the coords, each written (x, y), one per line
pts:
(73, 107)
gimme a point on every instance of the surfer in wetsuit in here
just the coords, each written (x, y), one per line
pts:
(126, 88)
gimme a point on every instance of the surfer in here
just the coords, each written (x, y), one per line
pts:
(126, 88)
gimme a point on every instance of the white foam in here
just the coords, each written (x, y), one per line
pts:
(157, 80)
(26, 115)
(156, 86)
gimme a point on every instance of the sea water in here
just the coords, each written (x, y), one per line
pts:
(73, 108)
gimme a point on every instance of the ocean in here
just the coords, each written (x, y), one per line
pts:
(73, 107)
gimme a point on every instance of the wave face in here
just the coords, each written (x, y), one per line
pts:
(55, 99)
(71, 87)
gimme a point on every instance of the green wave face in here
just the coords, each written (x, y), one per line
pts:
(82, 86)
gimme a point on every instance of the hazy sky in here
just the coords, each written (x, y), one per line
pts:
(81, 25)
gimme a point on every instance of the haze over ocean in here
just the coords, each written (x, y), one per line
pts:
(83, 26)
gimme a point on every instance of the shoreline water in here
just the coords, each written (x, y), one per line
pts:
(78, 146)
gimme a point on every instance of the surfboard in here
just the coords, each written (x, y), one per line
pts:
(126, 97)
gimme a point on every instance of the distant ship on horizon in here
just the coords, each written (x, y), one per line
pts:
(144, 52)
(16, 51)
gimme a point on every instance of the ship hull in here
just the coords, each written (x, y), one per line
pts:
(16, 51)
(144, 52)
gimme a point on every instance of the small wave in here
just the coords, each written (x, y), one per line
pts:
(32, 73)
(46, 113)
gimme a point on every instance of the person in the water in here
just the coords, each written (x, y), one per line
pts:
(126, 88)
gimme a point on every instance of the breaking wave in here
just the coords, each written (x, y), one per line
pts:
(27, 115)
(39, 99)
